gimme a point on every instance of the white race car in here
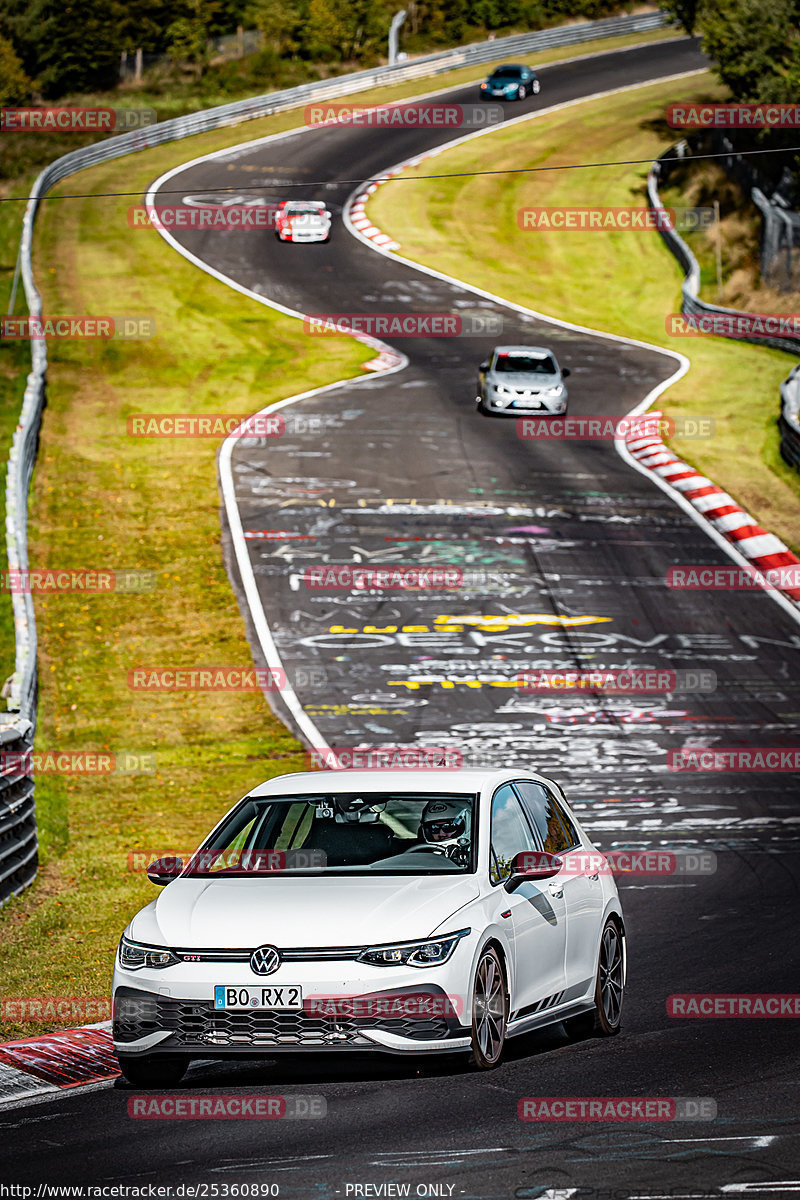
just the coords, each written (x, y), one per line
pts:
(303, 221)
(402, 911)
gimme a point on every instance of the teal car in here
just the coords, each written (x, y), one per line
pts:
(511, 81)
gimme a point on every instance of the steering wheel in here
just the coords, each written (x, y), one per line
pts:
(424, 846)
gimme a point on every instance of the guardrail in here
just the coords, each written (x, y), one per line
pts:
(690, 288)
(22, 690)
(19, 851)
(691, 303)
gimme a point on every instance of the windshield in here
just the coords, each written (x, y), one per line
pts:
(302, 210)
(404, 833)
(525, 364)
(507, 73)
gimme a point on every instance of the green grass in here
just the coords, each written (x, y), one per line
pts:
(623, 282)
(104, 499)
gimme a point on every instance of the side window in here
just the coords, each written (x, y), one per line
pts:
(510, 833)
(555, 828)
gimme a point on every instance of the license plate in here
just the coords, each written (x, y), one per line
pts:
(286, 995)
(526, 404)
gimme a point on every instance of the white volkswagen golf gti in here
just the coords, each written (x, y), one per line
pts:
(399, 911)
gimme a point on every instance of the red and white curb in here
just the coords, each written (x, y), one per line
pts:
(764, 550)
(56, 1061)
(360, 221)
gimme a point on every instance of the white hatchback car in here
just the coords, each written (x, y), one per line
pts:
(400, 911)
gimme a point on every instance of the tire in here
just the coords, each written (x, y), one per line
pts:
(537, 87)
(154, 1070)
(489, 1011)
(522, 92)
(605, 1019)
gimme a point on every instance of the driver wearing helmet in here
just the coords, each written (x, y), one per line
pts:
(445, 824)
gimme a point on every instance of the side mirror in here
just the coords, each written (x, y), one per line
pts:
(164, 870)
(565, 372)
(484, 365)
(532, 866)
(327, 214)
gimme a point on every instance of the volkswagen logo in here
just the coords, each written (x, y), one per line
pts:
(265, 960)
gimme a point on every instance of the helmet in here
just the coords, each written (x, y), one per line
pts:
(444, 822)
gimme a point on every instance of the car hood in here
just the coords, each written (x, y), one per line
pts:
(300, 912)
(309, 220)
(503, 83)
(522, 380)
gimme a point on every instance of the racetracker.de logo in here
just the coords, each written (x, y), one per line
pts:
(624, 862)
(235, 216)
(85, 328)
(74, 119)
(733, 325)
(617, 1108)
(78, 579)
(245, 862)
(733, 579)
(382, 758)
(391, 578)
(226, 1108)
(406, 116)
(735, 759)
(585, 218)
(75, 762)
(206, 679)
(67, 1009)
(620, 680)
(733, 116)
(212, 425)
(414, 1005)
(405, 325)
(602, 428)
(732, 1004)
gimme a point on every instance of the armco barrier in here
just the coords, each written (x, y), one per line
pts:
(22, 689)
(690, 288)
(19, 856)
(691, 303)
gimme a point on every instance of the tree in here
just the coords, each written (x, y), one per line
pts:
(682, 11)
(278, 22)
(755, 45)
(67, 47)
(15, 87)
(188, 37)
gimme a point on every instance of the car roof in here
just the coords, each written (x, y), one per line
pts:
(389, 780)
(542, 350)
(507, 66)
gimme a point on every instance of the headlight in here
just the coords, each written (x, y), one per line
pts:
(431, 953)
(556, 391)
(502, 390)
(133, 956)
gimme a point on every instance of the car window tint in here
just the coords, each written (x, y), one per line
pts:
(510, 832)
(555, 828)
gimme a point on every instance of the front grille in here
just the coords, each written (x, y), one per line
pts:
(304, 954)
(196, 1023)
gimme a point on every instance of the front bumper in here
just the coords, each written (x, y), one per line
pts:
(172, 1011)
(515, 405)
(320, 235)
